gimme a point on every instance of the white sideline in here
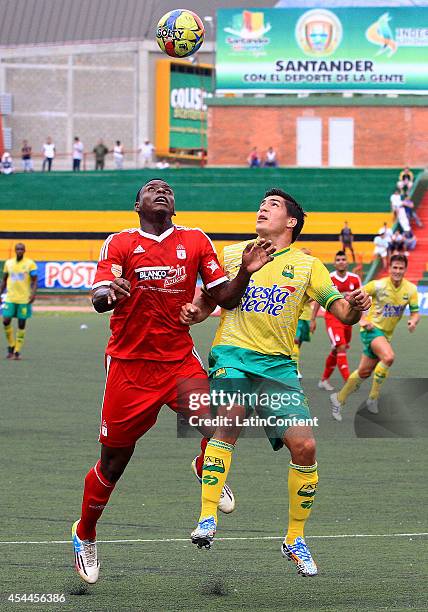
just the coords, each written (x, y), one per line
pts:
(139, 540)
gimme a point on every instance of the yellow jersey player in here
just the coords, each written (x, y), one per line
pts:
(304, 328)
(252, 352)
(20, 280)
(391, 295)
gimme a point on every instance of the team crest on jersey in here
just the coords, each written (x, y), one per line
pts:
(288, 271)
(181, 252)
(116, 270)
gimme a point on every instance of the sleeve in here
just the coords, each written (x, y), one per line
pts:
(33, 269)
(370, 288)
(320, 287)
(414, 301)
(110, 263)
(210, 268)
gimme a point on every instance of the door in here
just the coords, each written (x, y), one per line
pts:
(340, 141)
(309, 144)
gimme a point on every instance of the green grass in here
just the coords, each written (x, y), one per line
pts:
(50, 410)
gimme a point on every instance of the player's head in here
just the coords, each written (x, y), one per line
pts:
(155, 199)
(346, 224)
(340, 261)
(279, 213)
(397, 267)
(19, 250)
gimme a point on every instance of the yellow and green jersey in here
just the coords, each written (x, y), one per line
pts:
(19, 279)
(266, 318)
(306, 312)
(389, 303)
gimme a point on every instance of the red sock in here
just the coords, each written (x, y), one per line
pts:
(200, 457)
(330, 364)
(95, 497)
(342, 364)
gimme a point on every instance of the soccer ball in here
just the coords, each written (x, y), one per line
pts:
(180, 33)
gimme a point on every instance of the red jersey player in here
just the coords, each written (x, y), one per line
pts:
(145, 275)
(340, 334)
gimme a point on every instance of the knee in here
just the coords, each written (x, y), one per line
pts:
(389, 359)
(364, 372)
(112, 471)
(303, 451)
(6, 321)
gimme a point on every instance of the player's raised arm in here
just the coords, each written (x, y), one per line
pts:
(349, 310)
(109, 287)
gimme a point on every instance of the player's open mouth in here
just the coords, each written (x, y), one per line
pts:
(161, 199)
(261, 218)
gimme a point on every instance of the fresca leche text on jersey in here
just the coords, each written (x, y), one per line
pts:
(269, 300)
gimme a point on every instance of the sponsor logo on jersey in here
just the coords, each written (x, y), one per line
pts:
(212, 265)
(139, 249)
(266, 300)
(175, 275)
(389, 310)
(116, 270)
(288, 271)
(152, 272)
(181, 252)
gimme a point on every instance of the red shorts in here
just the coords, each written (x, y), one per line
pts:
(339, 333)
(136, 390)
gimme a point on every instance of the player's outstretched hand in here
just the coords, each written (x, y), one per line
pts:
(257, 254)
(359, 300)
(118, 290)
(189, 314)
(411, 325)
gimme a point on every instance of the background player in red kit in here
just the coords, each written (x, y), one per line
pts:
(145, 275)
(339, 334)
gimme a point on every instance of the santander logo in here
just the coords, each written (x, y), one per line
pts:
(266, 300)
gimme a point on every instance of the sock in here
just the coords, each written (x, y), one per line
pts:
(330, 364)
(342, 364)
(20, 335)
(10, 336)
(351, 385)
(218, 457)
(95, 497)
(381, 373)
(302, 486)
(200, 457)
(295, 355)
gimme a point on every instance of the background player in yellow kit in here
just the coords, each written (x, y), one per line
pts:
(20, 280)
(252, 351)
(390, 296)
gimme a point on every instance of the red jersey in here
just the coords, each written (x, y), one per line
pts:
(162, 271)
(345, 284)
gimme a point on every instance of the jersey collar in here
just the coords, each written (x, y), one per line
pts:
(281, 252)
(339, 278)
(156, 238)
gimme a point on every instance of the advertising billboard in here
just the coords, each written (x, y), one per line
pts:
(356, 49)
(181, 111)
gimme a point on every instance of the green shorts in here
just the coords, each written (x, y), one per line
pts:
(303, 332)
(367, 336)
(20, 311)
(270, 385)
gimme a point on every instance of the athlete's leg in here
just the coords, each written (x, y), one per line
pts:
(342, 361)
(20, 336)
(330, 364)
(10, 335)
(383, 350)
(364, 370)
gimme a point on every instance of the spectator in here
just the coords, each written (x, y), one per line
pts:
(411, 213)
(271, 160)
(162, 164)
(147, 153)
(49, 153)
(77, 154)
(254, 159)
(7, 163)
(381, 248)
(387, 232)
(409, 242)
(395, 200)
(397, 244)
(118, 155)
(405, 181)
(346, 237)
(100, 151)
(27, 162)
(403, 219)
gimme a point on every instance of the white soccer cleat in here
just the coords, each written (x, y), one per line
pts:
(336, 407)
(85, 557)
(300, 554)
(324, 384)
(227, 498)
(204, 533)
(372, 405)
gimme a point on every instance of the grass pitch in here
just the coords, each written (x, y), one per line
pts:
(50, 405)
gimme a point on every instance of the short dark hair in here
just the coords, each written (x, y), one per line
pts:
(340, 254)
(399, 257)
(137, 197)
(293, 210)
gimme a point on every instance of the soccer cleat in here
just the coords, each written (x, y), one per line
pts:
(17, 356)
(300, 555)
(204, 533)
(227, 498)
(85, 557)
(324, 384)
(336, 407)
(10, 351)
(372, 405)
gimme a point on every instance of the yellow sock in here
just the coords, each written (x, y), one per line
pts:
(302, 486)
(217, 460)
(10, 336)
(351, 385)
(381, 373)
(295, 355)
(20, 335)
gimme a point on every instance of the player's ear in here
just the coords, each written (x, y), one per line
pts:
(291, 222)
(137, 206)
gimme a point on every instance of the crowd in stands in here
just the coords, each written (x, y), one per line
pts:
(268, 161)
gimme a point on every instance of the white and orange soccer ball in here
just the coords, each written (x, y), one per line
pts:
(180, 33)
